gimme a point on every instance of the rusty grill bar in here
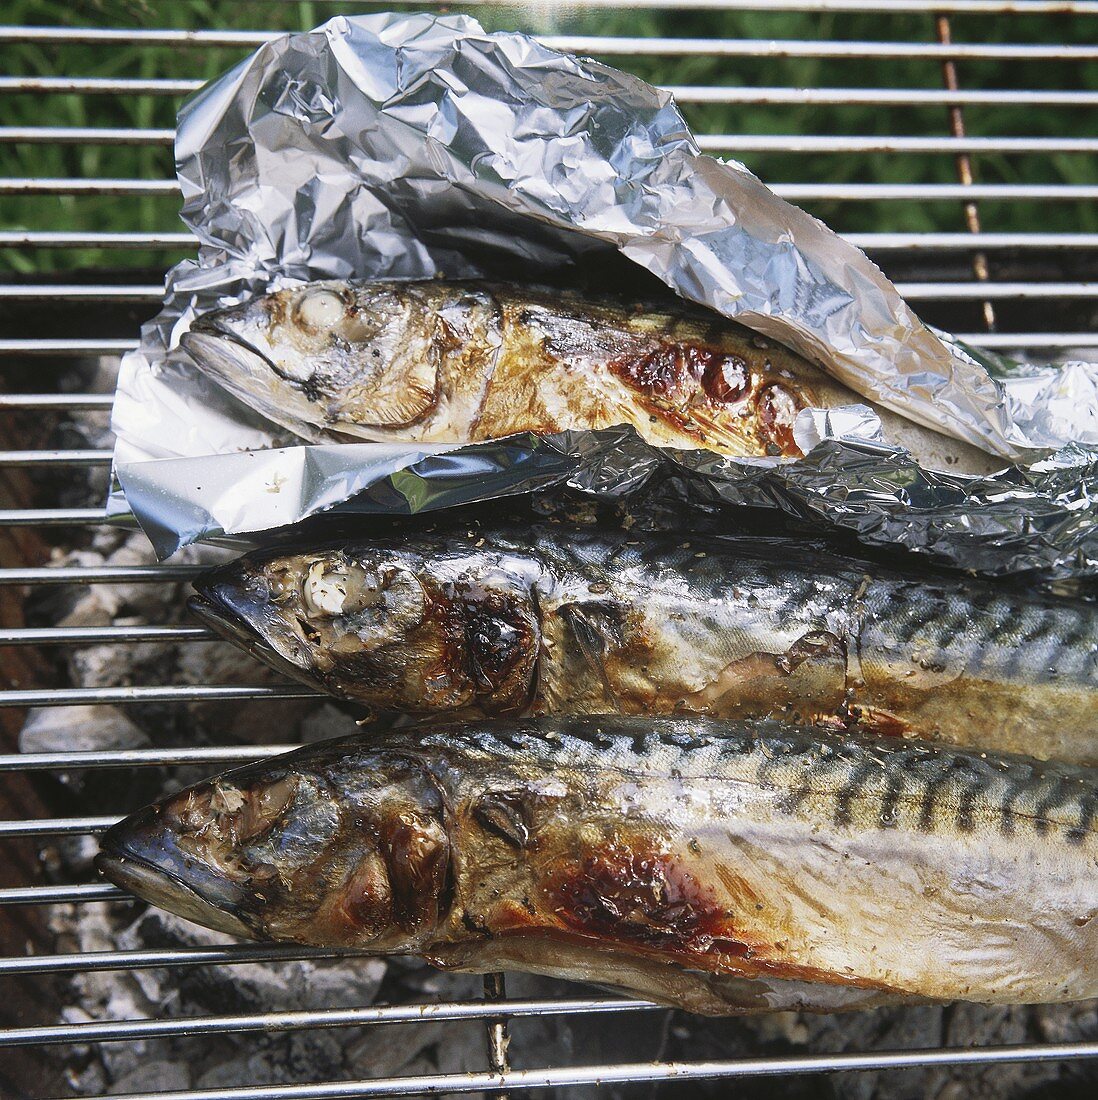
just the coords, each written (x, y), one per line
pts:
(496, 1010)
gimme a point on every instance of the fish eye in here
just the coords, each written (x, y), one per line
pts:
(319, 310)
(332, 587)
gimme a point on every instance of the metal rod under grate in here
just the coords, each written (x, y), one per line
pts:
(1046, 292)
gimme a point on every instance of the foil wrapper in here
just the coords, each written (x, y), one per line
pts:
(417, 146)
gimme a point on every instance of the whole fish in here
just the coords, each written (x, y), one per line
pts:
(716, 867)
(560, 619)
(446, 362)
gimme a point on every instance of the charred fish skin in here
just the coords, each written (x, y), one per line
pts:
(559, 619)
(468, 361)
(719, 867)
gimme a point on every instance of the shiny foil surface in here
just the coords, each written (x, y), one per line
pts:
(419, 146)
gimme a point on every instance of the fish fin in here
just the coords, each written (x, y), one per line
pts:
(763, 993)
(811, 646)
(757, 677)
(596, 634)
(503, 813)
(881, 722)
(631, 974)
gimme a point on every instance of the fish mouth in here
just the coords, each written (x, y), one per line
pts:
(137, 875)
(223, 350)
(227, 622)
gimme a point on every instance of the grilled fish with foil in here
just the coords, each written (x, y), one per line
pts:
(562, 619)
(456, 362)
(720, 868)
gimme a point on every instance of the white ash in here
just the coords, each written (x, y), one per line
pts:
(152, 1076)
(79, 729)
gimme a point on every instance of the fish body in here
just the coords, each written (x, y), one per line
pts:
(456, 362)
(560, 619)
(717, 867)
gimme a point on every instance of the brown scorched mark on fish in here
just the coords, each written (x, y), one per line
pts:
(557, 619)
(642, 895)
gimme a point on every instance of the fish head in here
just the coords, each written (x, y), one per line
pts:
(381, 624)
(331, 355)
(320, 852)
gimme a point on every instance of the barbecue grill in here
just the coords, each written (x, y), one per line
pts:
(973, 267)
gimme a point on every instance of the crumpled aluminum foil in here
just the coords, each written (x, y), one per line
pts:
(415, 146)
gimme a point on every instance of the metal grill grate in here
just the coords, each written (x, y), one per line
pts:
(53, 321)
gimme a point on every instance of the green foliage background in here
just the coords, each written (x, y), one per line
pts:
(203, 62)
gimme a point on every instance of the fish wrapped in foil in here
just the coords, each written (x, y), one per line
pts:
(551, 618)
(462, 362)
(716, 867)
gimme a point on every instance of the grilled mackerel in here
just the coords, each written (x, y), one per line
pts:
(441, 362)
(558, 619)
(720, 868)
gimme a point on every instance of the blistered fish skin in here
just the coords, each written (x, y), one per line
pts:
(446, 362)
(717, 867)
(559, 619)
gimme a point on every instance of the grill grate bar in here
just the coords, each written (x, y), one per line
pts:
(56, 826)
(177, 693)
(794, 192)
(83, 135)
(683, 93)
(880, 97)
(51, 517)
(869, 241)
(96, 85)
(84, 961)
(79, 292)
(97, 635)
(116, 1030)
(54, 458)
(67, 347)
(129, 758)
(635, 1073)
(149, 293)
(732, 143)
(100, 574)
(67, 402)
(44, 186)
(901, 143)
(34, 238)
(908, 192)
(982, 7)
(600, 44)
(964, 241)
(56, 895)
(965, 291)
(979, 7)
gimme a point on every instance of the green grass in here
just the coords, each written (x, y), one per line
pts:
(81, 213)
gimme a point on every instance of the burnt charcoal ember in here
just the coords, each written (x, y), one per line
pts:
(423, 1048)
(958, 1026)
(152, 1076)
(256, 987)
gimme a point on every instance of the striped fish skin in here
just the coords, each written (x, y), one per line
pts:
(456, 362)
(720, 867)
(557, 619)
